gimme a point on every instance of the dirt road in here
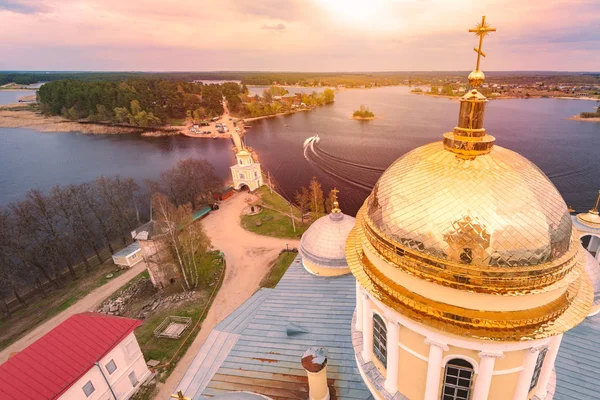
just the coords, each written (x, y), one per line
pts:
(248, 258)
(88, 303)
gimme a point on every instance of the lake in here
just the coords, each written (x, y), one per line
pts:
(350, 154)
(13, 96)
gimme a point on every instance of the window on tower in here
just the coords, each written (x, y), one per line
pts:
(458, 379)
(380, 339)
(538, 368)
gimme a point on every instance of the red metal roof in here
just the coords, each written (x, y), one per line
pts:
(49, 366)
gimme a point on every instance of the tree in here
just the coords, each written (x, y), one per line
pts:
(191, 181)
(121, 114)
(316, 197)
(329, 95)
(135, 107)
(303, 200)
(186, 239)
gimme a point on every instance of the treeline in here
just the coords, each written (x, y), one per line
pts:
(46, 235)
(139, 102)
(331, 79)
(591, 114)
(271, 103)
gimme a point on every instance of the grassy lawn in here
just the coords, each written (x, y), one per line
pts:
(41, 308)
(275, 201)
(278, 268)
(176, 121)
(164, 349)
(273, 224)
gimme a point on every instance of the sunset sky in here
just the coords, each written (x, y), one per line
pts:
(296, 35)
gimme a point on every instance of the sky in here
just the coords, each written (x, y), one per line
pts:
(297, 35)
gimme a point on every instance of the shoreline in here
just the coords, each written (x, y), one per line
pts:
(34, 120)
(363, 118)
(579, 118)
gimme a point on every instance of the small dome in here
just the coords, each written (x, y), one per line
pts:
(322, 246)
(592, 268)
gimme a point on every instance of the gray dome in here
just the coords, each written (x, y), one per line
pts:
(592, 268)
(324, 242)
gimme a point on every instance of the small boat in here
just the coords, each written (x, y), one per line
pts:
(247, 126)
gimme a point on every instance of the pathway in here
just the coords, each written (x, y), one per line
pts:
(248, 257)
(88, 303)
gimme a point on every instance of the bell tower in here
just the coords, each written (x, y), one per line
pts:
(246, 172)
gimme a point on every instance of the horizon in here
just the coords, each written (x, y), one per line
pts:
(325, 36)
(488, 72)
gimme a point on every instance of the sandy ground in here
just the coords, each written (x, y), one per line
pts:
(248, 257)
(88, 303)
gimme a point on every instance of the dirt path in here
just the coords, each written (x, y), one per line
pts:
(88, 303)
(248, 258)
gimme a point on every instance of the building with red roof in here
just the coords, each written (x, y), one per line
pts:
(88, 356)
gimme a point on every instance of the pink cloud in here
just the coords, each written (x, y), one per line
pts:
(311, 35)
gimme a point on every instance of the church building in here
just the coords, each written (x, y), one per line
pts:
(246, 171)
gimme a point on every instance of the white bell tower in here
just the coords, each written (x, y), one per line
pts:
(246, 171)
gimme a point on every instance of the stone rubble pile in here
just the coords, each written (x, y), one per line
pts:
(118, 305)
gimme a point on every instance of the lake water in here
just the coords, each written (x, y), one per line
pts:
(13, 96)
(350, 154)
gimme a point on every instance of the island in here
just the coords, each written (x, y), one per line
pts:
(363, 113)
(589, 116)
(154, 106)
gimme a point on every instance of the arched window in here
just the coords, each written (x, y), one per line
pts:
(458, 379)
(538, 368)
(379, 339)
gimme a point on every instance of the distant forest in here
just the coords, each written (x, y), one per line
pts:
(304, 78)
(141, 102)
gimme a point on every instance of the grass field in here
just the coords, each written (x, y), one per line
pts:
(41, 308)
(278, 269)
(273, 223)
(274, 220)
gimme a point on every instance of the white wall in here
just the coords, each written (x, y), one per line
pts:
(128, 357)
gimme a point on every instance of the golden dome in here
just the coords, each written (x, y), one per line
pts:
(500, 208)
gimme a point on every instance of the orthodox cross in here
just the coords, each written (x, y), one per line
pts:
(481, 30)
(335, 192)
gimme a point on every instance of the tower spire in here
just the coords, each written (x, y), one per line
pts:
(481, 29)
(469, 139)
(336, 205)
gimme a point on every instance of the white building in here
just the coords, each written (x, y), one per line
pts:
(246, 172)
(129, 256)
(89, 356)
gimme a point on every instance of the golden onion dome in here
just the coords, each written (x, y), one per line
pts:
(495, 211)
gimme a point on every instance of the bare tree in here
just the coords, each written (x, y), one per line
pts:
(37, 214)
(187, 240)
(191, 181)
(303, 200)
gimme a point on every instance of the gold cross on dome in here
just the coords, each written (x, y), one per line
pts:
(481, 30)
(335, 192)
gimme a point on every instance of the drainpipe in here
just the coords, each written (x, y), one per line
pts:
(106, 380)
(314, 362)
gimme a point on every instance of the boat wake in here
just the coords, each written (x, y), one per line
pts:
(358, 175)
